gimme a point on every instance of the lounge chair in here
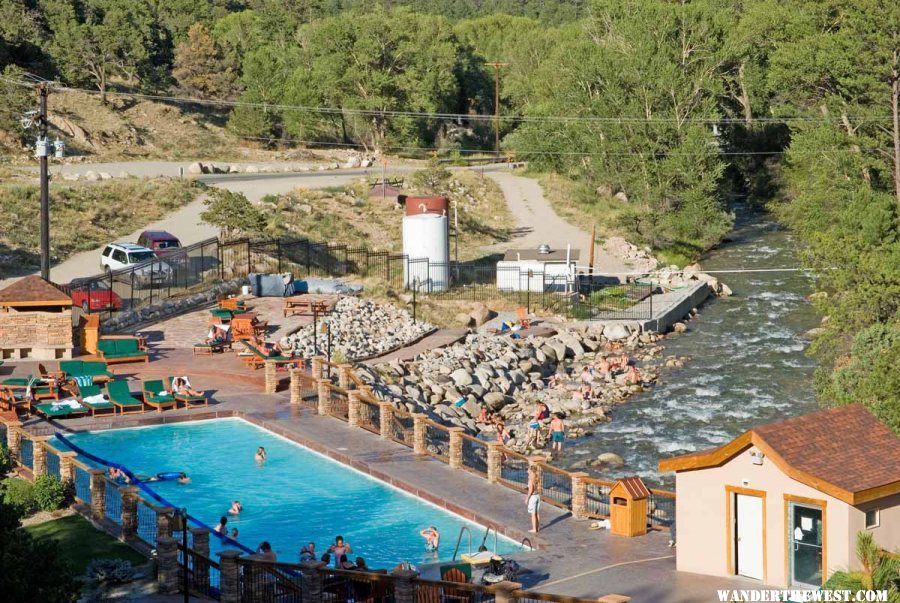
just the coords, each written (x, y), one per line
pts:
(61, 409)
(233, 304)
(257, 359)
(17, 382)
(157, 396)
(96, 369)
(208, 349)
(185, 399)
(221, 314)
(93, 398)
(41, 390)
(121, 398)
(121, 350)
(13, 399)
(45, 374)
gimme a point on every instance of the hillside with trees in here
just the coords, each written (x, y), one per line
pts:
(672, 110)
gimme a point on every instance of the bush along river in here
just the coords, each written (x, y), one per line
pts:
(747, 364)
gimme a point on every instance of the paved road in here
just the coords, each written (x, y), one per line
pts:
(538, 223)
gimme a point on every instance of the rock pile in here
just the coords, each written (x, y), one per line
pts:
(361, 328)
(508, 376)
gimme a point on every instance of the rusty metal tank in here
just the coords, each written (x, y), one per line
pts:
(438, 206)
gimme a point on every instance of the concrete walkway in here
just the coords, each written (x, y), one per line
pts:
(438, 339)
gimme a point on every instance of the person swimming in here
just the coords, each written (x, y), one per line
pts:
(236, 508)
(221, 526)
(432, 538)
(260, 455)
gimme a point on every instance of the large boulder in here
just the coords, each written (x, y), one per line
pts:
(611, 458)
(195, 168)
(495, 400)
(616, 332)
(461, 377)
(481, 314)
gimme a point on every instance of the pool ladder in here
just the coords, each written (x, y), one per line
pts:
(469, 532)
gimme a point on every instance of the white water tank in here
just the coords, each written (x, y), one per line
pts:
(426, 245)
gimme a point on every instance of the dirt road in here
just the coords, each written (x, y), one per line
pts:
(538, 224)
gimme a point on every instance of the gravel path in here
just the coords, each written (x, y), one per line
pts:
(538, 224)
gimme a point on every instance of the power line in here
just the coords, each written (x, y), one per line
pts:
(454, 116)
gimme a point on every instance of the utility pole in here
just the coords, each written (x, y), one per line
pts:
(43, 150)
(497, 65)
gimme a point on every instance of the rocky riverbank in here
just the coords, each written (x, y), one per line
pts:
(508, 376)
(360, 328)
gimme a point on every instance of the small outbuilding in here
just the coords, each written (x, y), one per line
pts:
(540, 269)
(783, 502)
(628, 507)
(35, 321)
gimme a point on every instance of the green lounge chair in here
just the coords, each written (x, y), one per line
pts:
(185, 399)
(206, 349)
(61, 409)
(157, 396)
(92, 397)
(121, 350)
(221, 314)
(94, 368)
(120, 396)
(258, 359)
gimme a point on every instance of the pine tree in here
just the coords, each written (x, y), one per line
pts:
(199, 66)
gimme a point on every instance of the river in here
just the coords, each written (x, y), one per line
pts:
(747, 363)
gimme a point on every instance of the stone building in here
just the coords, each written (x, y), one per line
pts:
(35, 321)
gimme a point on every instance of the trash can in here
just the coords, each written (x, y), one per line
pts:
(628, 507)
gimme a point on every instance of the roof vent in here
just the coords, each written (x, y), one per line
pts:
(543, 248)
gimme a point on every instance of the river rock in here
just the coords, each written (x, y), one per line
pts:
(495, 400)
(461, 377)
(679, 327)
(611, 458)
(195, 168)
(481, 314)
(616, 332)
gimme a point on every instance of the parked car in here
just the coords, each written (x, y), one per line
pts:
(117, 256)
(160, 241)
(94, 296)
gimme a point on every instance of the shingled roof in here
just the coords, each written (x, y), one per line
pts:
(33, 291)
(845, 452)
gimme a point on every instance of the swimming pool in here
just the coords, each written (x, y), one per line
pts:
(297, 496)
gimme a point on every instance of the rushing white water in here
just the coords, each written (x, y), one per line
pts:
(747, 363)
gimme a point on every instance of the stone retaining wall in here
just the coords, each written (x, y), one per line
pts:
(36, 335)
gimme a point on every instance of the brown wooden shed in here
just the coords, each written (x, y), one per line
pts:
(628, 507)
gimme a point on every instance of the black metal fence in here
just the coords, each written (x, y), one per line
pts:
(198, 267)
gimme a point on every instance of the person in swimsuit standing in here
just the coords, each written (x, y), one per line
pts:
(432, 538)
(339, 549)
(533, 499)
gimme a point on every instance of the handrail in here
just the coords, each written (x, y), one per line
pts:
(484, 539)
(459, 540)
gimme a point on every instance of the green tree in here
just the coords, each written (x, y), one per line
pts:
(233, 214)
(106, 39)
(877, 571)
(32, 570)
(433, 179)
(199, 67)
(16, 100)
(237, 34)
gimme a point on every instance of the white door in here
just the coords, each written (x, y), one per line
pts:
(748, 515)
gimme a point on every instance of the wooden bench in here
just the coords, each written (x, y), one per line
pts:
(305, 307)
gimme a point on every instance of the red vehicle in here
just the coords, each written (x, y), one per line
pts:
(160, 241)
(94, 296)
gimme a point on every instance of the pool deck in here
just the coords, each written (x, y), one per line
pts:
(570, 560)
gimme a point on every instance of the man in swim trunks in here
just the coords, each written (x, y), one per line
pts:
(533, 499)
(338, 549)
(432, 539)
(557, 431)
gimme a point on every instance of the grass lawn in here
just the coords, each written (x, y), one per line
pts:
(81, 542)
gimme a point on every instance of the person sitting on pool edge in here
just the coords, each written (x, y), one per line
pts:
(345, 563)
(339, 548)
(220, 528)
(260, 455)
(265, 551)
(236, 508)
(432, 538)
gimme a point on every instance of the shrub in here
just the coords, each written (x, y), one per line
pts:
(19, 494)
(110, 571)
(48, 493)
(6, 462)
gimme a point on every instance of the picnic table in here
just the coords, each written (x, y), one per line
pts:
(304, 306)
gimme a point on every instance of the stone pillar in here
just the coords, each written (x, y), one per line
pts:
(456, 461)
(420, 445)
(405, 586)
(317, 371)
(229, 580)
(535, 462)
(168, 576)
(39, 463)
(579, 495)
(66, 467)
(98, 494)
(324, 396)
(494, 461)
(353, 407)
(164, 522)
(385, 418)
(503, 591)
(14, 442)
(271, 377)
(344, 376)
(311, 581)
(201, 570)
(129, 511)
(295, 389)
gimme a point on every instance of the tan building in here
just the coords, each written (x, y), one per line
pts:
(35, 321)
(783, 502)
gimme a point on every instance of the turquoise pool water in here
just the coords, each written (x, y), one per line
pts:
(297, 496)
